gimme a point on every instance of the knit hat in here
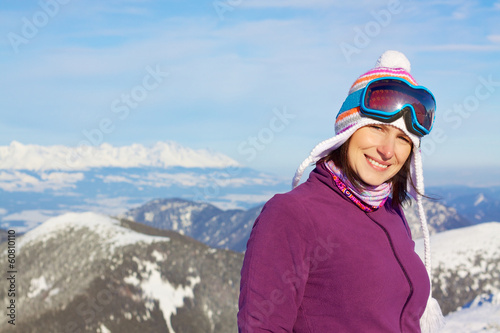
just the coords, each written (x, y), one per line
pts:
(348, 121)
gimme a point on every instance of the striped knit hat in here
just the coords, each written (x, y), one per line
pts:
(348, 121)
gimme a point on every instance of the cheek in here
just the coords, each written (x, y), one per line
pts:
(351, 156)
(403, 153)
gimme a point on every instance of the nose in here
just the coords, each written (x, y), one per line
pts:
(386, 147)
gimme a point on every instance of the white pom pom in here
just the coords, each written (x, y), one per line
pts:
(394, 59)
(432, 320)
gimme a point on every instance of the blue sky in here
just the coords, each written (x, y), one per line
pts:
(260, 81)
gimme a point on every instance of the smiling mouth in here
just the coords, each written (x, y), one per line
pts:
(376, 164)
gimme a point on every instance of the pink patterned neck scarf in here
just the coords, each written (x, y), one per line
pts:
(370, 198)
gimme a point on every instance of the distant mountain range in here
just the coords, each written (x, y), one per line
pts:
(89, 272)
(477, 204)
(223, 229)
(39, 182)
(35, 184)
(18, 156)
(439, 218)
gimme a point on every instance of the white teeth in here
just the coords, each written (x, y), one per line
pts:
(377, 163)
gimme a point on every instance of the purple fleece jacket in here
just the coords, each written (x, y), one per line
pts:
(317, 263)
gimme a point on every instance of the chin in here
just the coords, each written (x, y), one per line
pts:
(375, 181)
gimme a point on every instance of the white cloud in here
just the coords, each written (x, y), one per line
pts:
(31, 218)
(287, 3)
(191, 179)
(494, 38)
(308, 4)
(230, 72)
(18, 181)
(463, 47)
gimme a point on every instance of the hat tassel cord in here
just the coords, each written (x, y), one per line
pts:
(432, 320)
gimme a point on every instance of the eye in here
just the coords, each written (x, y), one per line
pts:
(405, 138)
(376, 127)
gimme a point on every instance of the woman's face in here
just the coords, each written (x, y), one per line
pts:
(377, 152)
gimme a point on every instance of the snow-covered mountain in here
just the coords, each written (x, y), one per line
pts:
(36, 183)
(226, 229)
(18, 156)
(477, 204)
(466, 264)
(439, 218)
(89, 272)
(482, 316)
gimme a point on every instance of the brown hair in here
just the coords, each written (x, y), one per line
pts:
(399, 181)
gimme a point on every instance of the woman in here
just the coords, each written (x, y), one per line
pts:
(335, 254)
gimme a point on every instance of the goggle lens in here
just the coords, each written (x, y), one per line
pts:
(391, 96)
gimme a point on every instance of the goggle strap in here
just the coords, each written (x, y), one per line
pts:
(352, 101)
(406, 114)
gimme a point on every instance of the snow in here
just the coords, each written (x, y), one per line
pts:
(108, 229)
(484, 318)
(132, 280)
(18, 156)
(37, 286)
(149, 216)
(104, 329)
(449, 248)
(154, 287)
(480, 198)
(159, 256)
(186, 216)
(458, 251)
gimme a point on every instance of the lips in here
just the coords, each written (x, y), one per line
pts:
(377, 165)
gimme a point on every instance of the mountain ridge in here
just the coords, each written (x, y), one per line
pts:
(91, 272)
(18, 156)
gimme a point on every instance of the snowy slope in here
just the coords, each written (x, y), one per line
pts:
(18, 156)
(466, 264)
(481, 317)
(108, 229)
(90, 272)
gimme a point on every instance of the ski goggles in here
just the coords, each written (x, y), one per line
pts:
(388, 98)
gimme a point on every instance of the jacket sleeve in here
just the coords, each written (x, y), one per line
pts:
(275, 268)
